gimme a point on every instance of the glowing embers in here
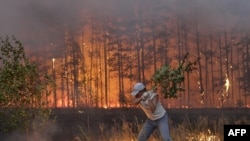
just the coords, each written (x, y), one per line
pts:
(227, 83)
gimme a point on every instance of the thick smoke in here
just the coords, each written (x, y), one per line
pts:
(37, 22)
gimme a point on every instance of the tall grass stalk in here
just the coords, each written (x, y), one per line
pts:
(201, 129)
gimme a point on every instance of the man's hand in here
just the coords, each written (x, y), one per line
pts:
(144, 96)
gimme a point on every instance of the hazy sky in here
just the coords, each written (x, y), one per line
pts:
(43, 18)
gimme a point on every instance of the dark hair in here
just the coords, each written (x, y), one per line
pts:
(143, 90)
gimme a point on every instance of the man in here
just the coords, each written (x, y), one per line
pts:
(155, 112)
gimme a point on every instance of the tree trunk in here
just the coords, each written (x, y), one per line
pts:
(239, 71)
(199, 63)
(188, 75)
(212, 67)
(206, 74)
(179, 52)
(138, 51)
(221, 72)
(105, 72)
(91, 67)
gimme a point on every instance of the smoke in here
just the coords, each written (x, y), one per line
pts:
(45, 20)
(44, 133)
(42, 21)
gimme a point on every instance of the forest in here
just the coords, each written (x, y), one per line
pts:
(67, 68)
(96, 52)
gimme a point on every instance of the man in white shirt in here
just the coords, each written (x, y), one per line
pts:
(155, 112)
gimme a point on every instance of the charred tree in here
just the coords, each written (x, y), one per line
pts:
(211, 53)
(197, 38)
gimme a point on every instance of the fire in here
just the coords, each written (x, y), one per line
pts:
(227, 83)
(203, 136)
(105, 107)
(53, 63)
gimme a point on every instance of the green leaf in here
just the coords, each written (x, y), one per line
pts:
(169, 79)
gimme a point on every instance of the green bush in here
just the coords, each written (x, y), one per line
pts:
(23, 91)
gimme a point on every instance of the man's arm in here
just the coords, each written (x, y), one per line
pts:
(152, 103)
(136, 101)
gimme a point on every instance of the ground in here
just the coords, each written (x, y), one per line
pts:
(95, 122)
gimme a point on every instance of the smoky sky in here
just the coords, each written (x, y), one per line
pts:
(30, 20)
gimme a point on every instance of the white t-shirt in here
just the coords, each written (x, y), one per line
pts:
(159, 111)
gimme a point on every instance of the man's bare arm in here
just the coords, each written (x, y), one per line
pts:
(152, 103)
(136, 101)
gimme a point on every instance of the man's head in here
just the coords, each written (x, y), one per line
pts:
(138, 87)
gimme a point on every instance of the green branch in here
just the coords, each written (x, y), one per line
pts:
(169, 79)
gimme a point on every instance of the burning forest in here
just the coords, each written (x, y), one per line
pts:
(95, 52)
(77, 61)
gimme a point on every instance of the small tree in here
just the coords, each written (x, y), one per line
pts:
(169, 79)
(23, 92)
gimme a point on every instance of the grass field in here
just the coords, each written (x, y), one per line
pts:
(123, 124)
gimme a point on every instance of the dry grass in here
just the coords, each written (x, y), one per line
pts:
(203, 129)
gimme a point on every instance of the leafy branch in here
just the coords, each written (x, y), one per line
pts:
(169, 79)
